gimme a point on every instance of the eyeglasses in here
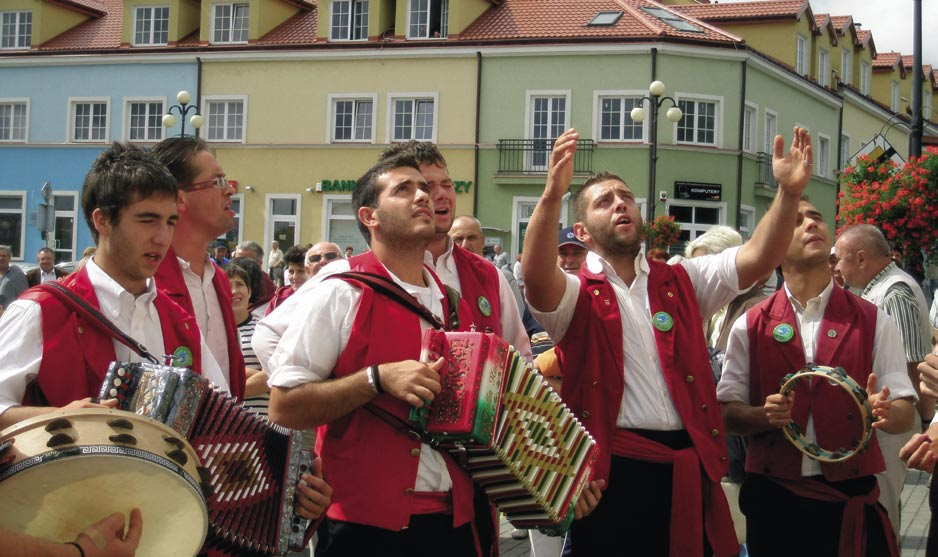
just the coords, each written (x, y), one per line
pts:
(218, 182)
(329, 255)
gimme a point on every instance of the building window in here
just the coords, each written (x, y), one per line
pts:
(801, 55)
(151, 26)
(283, 224)
(846, 66)
(771, 130)
(429, 19)
(823, 68)
(823, 167)
(340, 223)
(13, 120)
(89, 121)
(844, 150)
(749, 129)
(234, 235)
(349, 20)
(353, 119)
(615, 119)
(699, 123)
(547, 117)
(144, 120)
(12, 224)
(225, 119)
(412, 118)
(747, 221)
(16, 29)
(521, 211)
(695, 219)
(230, 24)
(894, 103)
(866, 75)
(64, 229)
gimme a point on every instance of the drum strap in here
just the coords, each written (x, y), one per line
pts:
(393, 291)
(95, 317)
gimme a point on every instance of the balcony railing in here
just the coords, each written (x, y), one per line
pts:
(766, 176)
(532, 155)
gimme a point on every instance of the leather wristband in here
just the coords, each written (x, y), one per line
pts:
(374, 372)
(370, 376)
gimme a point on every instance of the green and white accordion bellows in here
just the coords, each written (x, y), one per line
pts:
(512, 432)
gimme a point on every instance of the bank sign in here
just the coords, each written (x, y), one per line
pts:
(346, 186)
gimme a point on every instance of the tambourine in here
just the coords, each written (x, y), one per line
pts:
(837, 376)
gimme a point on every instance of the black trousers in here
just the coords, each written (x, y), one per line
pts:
(931, 548)
(780, 523)
(633, 517)
(429, 535)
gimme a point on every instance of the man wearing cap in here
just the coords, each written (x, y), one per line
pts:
(571, 251)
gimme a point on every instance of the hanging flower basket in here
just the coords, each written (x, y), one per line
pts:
(662, 232)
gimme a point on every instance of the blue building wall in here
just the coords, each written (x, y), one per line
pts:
(48, 156)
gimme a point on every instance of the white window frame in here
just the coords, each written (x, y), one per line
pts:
(125, 133)
(845, 151)
(823, 166)
(243, 99)
(748, 221)
(717, 119)
(73, 214)
(444, 20)
(517, 220)
(239, 218)
(14, 102)
(752, 129)
(351, 28)
(530, 96)
(846, 66)
(823, 68)
(231, 19)
(330, 116)
(328, 201)
(894, 96)
(270, 218)
(17, 30)
(698, 229)
(136, 16)
(598, 96)
(22, 212)
(866, 77)
(768, 138)
(73, 102)
(393, 97)
(802, 66)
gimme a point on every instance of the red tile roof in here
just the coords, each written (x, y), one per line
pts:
(97, 33)
(94, 7)
(888, 61)
(765, 9)
(841, 22)
(298, 30)
(569, 19)
(821, 19)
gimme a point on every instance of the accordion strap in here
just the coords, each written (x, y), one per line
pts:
(394, 291)
(457, 451)
(95, 317)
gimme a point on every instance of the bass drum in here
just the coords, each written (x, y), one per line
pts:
(72, 468)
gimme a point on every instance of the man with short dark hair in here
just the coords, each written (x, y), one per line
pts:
(12, 279)
(46, 271)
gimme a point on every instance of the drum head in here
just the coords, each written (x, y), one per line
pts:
(56, 495)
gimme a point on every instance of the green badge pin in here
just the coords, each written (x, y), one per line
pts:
(484, 306)
(662, 321)
(783, 332)
(182, 357)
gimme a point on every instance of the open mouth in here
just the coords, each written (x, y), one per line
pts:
(153, 258)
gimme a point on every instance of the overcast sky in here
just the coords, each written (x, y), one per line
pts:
(889, 20)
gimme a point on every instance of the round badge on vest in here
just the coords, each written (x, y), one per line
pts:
(783, 332)
(182, 357)
(484, 306)
(662, 321)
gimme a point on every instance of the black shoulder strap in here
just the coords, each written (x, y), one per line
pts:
(393, 291)
(95, 317)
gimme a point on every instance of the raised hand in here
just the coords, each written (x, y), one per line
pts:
(560, 166)
(793, 170)
(416, 383)
(778, 409)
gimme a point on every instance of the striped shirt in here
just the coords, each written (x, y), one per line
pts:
(901, 304)
(257, 404)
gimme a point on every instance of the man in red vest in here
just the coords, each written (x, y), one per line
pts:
(630, 340)
(350, 364)
(795, 504)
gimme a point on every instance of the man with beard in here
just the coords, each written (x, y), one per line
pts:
(639, 374)
(350, 365)
(813, 320)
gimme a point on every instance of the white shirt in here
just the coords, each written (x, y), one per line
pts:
(21, 331)
(888, 359)
(45, 277)
(208, 310)
(646, 402)
(311, 346)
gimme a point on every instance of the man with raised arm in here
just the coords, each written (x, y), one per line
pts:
(638, 373)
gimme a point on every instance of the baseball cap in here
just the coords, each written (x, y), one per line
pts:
(568, 237)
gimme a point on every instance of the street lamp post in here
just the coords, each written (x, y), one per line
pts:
(183, 108)
(655, 98)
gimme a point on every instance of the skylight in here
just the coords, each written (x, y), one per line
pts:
(605, 19)
(673, 20)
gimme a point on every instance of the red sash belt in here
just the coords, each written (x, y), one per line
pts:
(852, 526)
(432, 502)
(687, 497)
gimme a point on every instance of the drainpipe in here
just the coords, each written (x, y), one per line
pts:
(198, 88)
(475, 173)
(739, 156)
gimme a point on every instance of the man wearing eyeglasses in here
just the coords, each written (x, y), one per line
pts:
(320, 255)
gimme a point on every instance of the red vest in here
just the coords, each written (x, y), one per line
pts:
(170, 281)
(590, 353)
(278, 298)
(478, 285)
(836, 421)
(65, 335)
(371, 466)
